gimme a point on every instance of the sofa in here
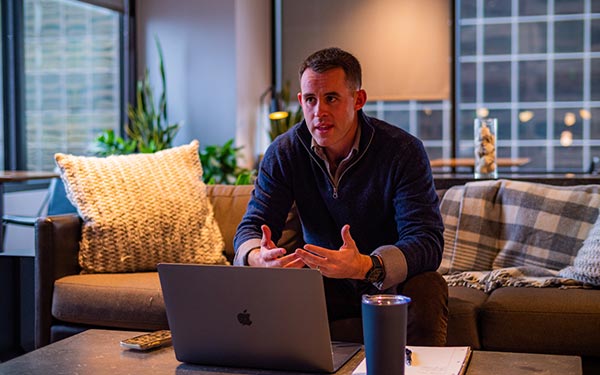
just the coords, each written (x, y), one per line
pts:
(513, 319)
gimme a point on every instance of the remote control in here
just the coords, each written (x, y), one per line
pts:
(148, 340)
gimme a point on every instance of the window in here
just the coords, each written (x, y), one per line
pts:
(428, 120)
(72, 79)
(536, 67)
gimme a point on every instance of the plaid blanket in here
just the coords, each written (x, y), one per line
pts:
(526, 276)
(502, 232)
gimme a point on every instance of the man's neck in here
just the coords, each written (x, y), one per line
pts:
(336, 155)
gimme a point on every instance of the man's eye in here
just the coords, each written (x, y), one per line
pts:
(310, 100)
(331, 99)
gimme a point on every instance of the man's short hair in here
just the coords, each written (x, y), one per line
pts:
(331, 58)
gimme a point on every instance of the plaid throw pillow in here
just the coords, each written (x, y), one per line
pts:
(586, 266)
(544, 225)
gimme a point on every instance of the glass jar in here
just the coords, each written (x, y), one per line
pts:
(485, 148)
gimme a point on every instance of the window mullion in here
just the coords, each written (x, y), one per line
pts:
(13, 79)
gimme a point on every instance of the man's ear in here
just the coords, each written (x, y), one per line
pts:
(360, 100)
(300, 98)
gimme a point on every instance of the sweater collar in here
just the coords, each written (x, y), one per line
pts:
(367, 131)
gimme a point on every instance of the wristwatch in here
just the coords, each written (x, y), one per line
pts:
(377, 273)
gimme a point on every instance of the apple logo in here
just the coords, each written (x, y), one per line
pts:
(244, 318)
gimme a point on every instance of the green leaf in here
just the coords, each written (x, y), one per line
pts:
(107, 143)
(220, 164)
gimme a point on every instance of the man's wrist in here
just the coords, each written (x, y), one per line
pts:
(365, 267)
(376, 274)
(250, 258)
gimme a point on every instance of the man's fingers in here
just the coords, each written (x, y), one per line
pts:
(296, 263)
(311, 259)
(346, 237)
(272, 254)
(316, 250)
(266, 237)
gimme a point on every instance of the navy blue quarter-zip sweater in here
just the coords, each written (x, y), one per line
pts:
(387, 196)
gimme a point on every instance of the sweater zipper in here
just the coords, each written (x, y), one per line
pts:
(335, 188)
(333, 185)
(335, 194)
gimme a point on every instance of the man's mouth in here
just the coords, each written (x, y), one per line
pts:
(323, 128)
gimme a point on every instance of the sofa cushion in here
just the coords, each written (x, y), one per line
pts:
(126, 300)
(586, 265)
(464, 305)
(560, 321)
(142, 209)
(229, 204)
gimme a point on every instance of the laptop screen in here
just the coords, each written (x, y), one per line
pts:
(269, 318)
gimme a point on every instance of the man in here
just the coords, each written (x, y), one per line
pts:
(365, 195)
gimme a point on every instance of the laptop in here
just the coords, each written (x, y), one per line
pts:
(250, 317)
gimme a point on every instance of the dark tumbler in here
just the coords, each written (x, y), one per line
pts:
(384, 320)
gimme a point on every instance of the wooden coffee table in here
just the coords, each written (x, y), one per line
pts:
(98, 352)
(501, 363)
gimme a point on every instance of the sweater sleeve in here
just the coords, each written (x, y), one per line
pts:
(418, 220)
(269, 204)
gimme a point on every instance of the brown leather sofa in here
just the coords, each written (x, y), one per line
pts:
(536, 320)
(67, 302)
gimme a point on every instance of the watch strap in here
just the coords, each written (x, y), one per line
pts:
(377, 272)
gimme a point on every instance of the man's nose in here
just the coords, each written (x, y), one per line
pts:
(320, 109)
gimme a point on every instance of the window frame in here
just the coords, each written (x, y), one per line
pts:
(13, 74)
(13, 82)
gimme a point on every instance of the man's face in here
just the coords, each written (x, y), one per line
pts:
(329, 107)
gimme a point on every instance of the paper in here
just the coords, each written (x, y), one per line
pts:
(432, 360)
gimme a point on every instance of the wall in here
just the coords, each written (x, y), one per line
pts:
(253, 70)
(216, 55)
(198, 41)
(403, 46)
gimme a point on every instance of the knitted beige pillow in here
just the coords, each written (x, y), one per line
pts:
(142, 209)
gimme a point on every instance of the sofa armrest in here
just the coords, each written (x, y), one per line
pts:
(56, 255)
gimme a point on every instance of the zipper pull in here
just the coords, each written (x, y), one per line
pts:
(335, 193)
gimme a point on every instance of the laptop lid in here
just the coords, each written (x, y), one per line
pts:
(269, 318)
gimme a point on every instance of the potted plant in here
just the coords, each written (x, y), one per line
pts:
(219, 164)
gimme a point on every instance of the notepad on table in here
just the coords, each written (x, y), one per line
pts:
(427, 360)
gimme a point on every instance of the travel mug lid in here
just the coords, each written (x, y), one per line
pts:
(385, 299)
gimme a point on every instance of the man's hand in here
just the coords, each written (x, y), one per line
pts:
(269, 255)
(345, 263)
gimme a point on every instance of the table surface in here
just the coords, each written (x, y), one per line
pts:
(18, 176)
(98, 352)
(470, 162)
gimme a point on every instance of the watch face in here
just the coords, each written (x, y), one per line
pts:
(374, 275)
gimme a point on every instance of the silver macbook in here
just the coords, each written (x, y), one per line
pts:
(267, 318)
